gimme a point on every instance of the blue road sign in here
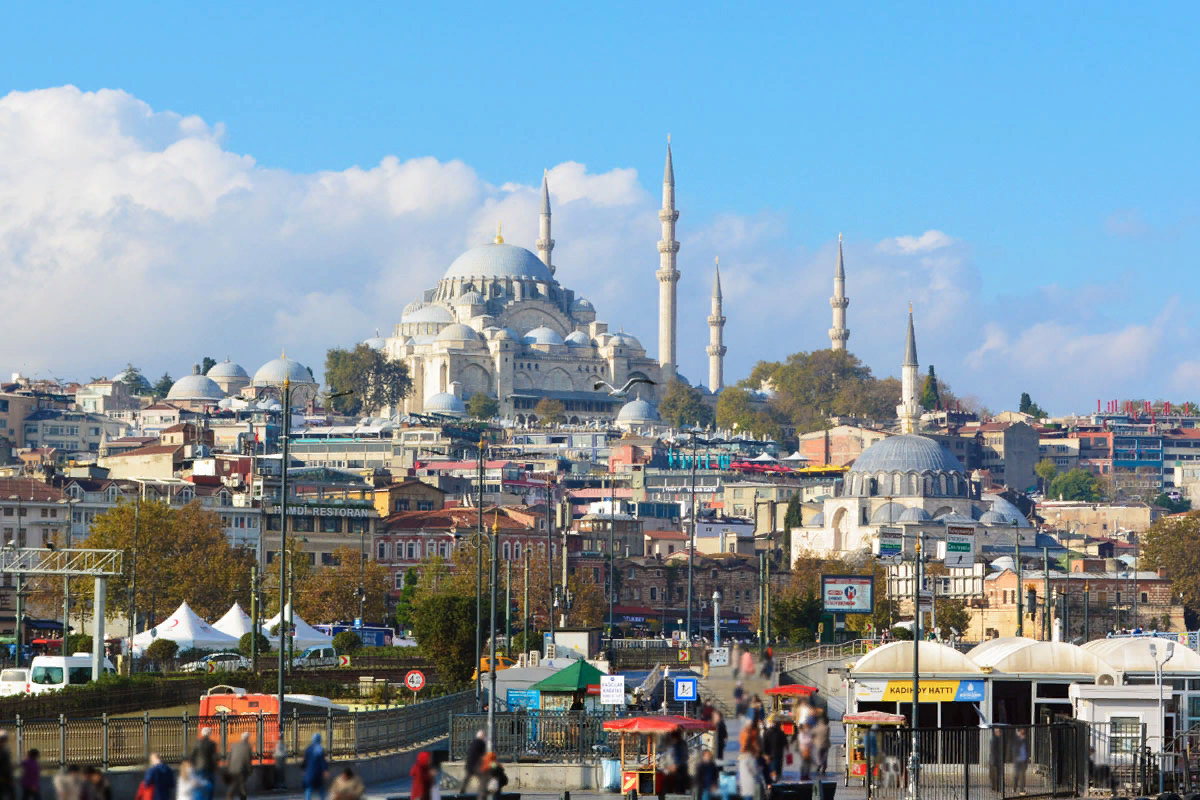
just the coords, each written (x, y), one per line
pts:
(685, 689)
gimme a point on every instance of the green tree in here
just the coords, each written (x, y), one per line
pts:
(1165, 500)
(161, 651)
(208, 363)
(930, 399)
(444, 626)
(164, 385)
(796, 617)
(1027, 406)
(483, 406)
(735, 410)
(135, 379)
(792, 518)
(952, 617)
(372, 379)
(405, 603)
(1078, 484)
(246, 646)
(1173, 543)
(79, 643)
(347, 642)
(1046, 470)
(550, 411)
(682, 405)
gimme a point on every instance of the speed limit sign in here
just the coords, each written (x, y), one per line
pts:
(415, 680)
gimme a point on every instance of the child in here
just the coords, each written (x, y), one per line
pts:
(31, 777)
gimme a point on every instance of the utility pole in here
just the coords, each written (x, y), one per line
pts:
(491, 717)
(762, 601)
(508, 610)
(1086, 598)
(284, 565)
(612, 554)
(254, 617)
(550, 553)
(691, 544)
(525, 632)
(1046, 594)
(1020, 588)
(479, 586)
(914, 757)
(767, 597)
(137, 506)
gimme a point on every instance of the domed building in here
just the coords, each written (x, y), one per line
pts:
(195, 392)
(637, 414)
(500, 322)
(269, 380)
(229, 376)
(909, 483)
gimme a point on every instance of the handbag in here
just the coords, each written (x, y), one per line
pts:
(144, 792)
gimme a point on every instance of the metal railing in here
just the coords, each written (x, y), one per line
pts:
(855, 647)
(535, 735)
(128, 741)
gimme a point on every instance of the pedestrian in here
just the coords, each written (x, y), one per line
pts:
(704, 661)
(749, 775)
(1020, 760)
(316, 769)
(775, 743)
(768, 666)
(237, 767)
(721, 734)
(7, 780)
(474, 765)
(757, 711)
(708, 777)
(348, 786)
(996, 760)
(747, 664)
(279, 766)
(70, 785)
(733, 660)
(421, 774)
(739, 699)
(101, 788)
(189, 785)
(679, 763)
(820, 743)
(158, 783)
(31, 776)
(804, 746)
(204, 764)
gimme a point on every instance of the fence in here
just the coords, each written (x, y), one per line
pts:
(988, 763)
(534, 735)
(129, 741)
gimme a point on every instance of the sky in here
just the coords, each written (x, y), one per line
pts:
(187, 181)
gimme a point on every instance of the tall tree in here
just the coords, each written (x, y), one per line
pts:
(208, 363)
(1046, 471)
(929, 392)
(1027, 406)
(331, 592)
(550, 411)
(1078, 484)
(164, 385)
(735, 410)
(372, 379)
(1174, 544)
(444, 626)
(134, 377)
(483, 406)
(682, 405)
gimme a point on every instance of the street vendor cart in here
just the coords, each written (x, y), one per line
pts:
(861, 754)
(640, 773)
(786, 701)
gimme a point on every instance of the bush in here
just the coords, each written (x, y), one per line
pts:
(161, 650)
(245, 644)
(347, 642)
(78, 643)
(902, 634)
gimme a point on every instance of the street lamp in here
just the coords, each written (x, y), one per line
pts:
(692, 539)
(19, 541)
(1162, 723)
(716, 598)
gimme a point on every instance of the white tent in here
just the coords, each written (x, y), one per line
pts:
(764, 458)
(796, 456)
(306, 635)
(187, 630)
(235, 623)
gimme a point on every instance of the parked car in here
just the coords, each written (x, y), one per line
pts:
(13, 681)
(220, 661)
(50, 673)
(502, 662)
(317, 656)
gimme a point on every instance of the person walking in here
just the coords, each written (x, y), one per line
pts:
(316, 769)
(101, 788)
(204, 764)
(996, 759)
(237, 767)
(680, 779)
(708, 777)
(7, 780)
(31, 776)
(279, 765)
(749, 776)
(747, 664)
(775, 743)
(733, 660)
(820, 744)
(348, 786)
(476, 750)
(704, 661)
(720, 735)
(159, 780)
(421, 774)
(1020, 760)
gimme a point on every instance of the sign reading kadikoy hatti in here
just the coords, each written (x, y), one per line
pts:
(931, 691)
(848, 594)
(959, 547)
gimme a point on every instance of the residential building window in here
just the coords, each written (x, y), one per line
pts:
(358, 525)
(327, 559)
(424, 505)
(412, 551)
(331, 525)
(401, 505)
(653, 593)
(516, 551)
(399, 581)
(1145, 597)
(381, 552)
(303, 525)
(506, 551)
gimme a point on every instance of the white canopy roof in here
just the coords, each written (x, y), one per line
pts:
(897, 658)
(796, 456)
(187, 630)
(235, 623)
(764, 457)
(306, 635)
(1132, 654)
(1002, 641)
(1021, 656)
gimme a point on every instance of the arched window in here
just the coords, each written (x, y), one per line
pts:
(506, 551)
(516, 551)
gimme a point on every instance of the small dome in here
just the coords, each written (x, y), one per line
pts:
(887, 514)
(508, 333)
(897, 658)
(195, 387)
(542, 335)
(375, 342)
(623, 339)
(499, 260)
(457, 333)
(578, 339)
(227, 369)
(906, 453)
(582, 304)
(994, 518)
(1002, 563)
(914, 514)
(1007, 510)
(430, 313)
(136, 380)
(469, 299)
(954, 518)
(817, 521)
(637, 411)
(411, 307)
(275, 371)
(445, 403)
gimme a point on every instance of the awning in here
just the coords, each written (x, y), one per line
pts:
(657, 725)
(575, 678)
(791, 690)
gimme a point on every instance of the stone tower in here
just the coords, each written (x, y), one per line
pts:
(545, 245)
(839, 333)
(909, 410)
(716, 336)
(668, 275)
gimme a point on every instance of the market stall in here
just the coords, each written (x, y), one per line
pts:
(639, 752)
(862, 754)
(786, 701)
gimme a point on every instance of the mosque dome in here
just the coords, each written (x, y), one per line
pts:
(195, 387)
(637, 412)
(994, 518)
(376, 342)
(457, 333)
(887, 514)
(543, 335)
(275, 371)
(1002, 563)
(136, 380)
(1007, 510)
(429, 313)
(625, 340)
(469, 299)
(227, 369)
(582, 304)
(913, 514)
(499, 260)
(817, 521)
(508, 333)
(906, 453)
(445, 403)
(578, 339)
(954, 518)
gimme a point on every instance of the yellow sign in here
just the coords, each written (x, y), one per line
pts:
(343, 661)
(212, 667)
(684, 656)
(931, 691)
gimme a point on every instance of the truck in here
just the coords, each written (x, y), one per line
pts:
(371, 637)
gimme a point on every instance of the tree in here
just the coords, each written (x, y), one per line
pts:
(347, 642)
(162, 650)
(405, 604)
(1046, 470)
(134, 377)
(929, 392)
(208, 363)
(792, 518)
(373, 380)
(1165, 500)
(1027, 406)
(182, 554)
(1078, 484)
(735, 410)
(444, 626)
(482, 406)
(589, 604)
(1173, 543)
(331, 592)
(164, 385)
(245, 644)
(550, 411)
(682, 405)
(952, 617)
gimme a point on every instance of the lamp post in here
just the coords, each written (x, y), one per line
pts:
(1020, 588)
(137, 509)
(19, 541)
(1087, 596)
(491, 718)
(716, 598)
(284, 589)
(479, 583)
(612, 554)
(1162, 723)
(914, 758)
(692, 541)
(550, 553)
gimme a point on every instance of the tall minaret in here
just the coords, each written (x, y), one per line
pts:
(839, 333)
(716, 336)
(545, 245)
(909, 410)
(668, 276)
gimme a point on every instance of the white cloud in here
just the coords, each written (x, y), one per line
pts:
(925, 243)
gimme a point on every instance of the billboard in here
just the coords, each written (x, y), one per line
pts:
(958, 550)
(848, 594)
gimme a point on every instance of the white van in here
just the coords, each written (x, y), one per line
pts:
(13, 681)
(50, 673)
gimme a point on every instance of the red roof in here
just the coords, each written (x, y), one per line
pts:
(151, 450)
(31, 490)
(657, 725)
(678, 536)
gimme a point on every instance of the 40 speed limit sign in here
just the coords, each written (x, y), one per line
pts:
(415, 680)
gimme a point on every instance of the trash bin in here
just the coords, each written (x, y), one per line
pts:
(828, 789)
(792, 791)
(610, 774)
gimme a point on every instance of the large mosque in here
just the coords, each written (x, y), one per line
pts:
(499, 322)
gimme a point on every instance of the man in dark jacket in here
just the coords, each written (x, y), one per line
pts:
(720, 735)
(774, 746)
(204, 761)
(474, 766)
(7, 780)
(237, 766)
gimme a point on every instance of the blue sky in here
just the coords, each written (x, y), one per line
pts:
(1055, 145)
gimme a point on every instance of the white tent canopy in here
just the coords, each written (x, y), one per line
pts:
(764, 457)
(796, 456)
(235, 623)
(188, 631)
(306, 635)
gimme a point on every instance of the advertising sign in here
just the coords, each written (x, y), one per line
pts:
(959, 546)
(848, 594)
(969, 691)
(612, 690)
